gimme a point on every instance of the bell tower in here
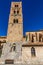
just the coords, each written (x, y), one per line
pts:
(15, 24)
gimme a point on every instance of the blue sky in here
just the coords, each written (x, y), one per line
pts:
(32, 15)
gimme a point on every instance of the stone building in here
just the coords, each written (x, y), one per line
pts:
(29, 48)
(32, 50)
(15, 26)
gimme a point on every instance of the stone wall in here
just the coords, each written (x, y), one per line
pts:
(27, 57)
(15, 30)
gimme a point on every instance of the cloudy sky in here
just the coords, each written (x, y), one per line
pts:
(32, 15)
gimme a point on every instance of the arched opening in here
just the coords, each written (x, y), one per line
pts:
(32, 38)
(33, 51)
(13, 48)
(15, 21)
(16, 5)
(40, 38)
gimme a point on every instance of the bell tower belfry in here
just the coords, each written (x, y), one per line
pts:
(15, 24)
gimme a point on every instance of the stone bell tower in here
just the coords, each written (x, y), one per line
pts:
(15, 24)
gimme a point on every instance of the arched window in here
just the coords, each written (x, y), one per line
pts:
(17, 11)
(40, 36)
(33, 51)
(13, 48)
(15, 21)
(16, 5)
(32, 38)
(14, 12)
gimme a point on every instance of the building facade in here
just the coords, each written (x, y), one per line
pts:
(32, 50)
(30, 45)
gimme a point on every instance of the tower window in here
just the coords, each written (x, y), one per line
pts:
(18, 12)
(15, 20)
(33, 51)
(16, 5)
(14, 12)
